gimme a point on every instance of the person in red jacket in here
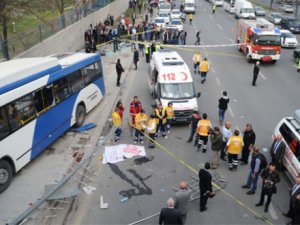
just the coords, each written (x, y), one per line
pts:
(120, 109)
(135, 108)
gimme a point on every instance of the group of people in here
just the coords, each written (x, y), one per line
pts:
(159, 121)
(200, 66)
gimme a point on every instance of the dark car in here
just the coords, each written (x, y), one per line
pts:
(275, 17)
(296, 55)
(290, 24)
(259, 11)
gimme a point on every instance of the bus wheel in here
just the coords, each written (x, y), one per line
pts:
(5, 175)
(80, 115)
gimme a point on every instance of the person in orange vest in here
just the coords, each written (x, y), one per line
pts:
(203, 68)
(170, 115)
(140, 120)
(234, 147)
(203, 129)
(161, 120)
(197, 60)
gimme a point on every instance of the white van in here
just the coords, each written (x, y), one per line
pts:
(189, 6)
(170, 80)
(217, 2)
(244, 9)
(165, 7)
(289, 128)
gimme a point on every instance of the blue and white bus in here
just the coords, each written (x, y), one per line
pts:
(228, 5)
(40, 99)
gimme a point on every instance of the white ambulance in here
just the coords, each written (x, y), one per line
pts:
(289, 128)
(170, 80)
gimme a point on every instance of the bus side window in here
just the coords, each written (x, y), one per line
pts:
(76, 81)
(61, 90)
(4, 128)
(89, 74)
(43, 99)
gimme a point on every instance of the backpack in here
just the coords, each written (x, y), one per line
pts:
(263, 161)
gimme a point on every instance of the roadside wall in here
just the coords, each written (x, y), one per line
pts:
(71, 39)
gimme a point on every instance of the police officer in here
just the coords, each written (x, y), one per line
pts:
(203, 129)
(147, 52)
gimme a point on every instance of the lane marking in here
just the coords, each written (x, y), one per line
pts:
(218, 81)
(231, 41)
(230, 111)
(220, 27)
(263, 76)
(273, 212)
(210, 16)
(213, 70)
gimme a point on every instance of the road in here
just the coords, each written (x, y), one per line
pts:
(148, 184)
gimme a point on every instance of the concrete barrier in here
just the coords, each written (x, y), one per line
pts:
(71, 39)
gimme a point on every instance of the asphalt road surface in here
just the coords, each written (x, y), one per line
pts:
(148, 183)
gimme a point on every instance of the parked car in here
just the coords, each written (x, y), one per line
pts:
(287, 8)
(288, 40)
(164, 15)
(154, 3)
(175, 14)
(177, 23)
(296, 55)
(275, 17)
(291, 24)
(160, 22)
(259, 11)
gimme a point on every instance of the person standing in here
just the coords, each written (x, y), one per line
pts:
(197, 60)
(191, 18)
(140, 120)
(193, 125)
(216, 139)
(203, 68)
(117, 122)
(120, 109)
(133, 18)
(249, 142)
(203, 129)
(234, 147)
(277, 151)
(254, 171)
(170, 115)
(120, 70)
(151, 129)
(214, 7)
(161, 116)
(255, 73)
(294, 206)
(135, 57)
(223, 105)
(141, 47)
(205, 186)
(147, 52)
(170, 215)
(226, 132)
(197, 42)
(182, 200)
(135, 108)
(298, 66)
(270, 178)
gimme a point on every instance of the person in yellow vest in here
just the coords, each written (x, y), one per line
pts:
(203, 129)
(140, 119)
(157, 47)
(170, 115)
(147, 52)
(151, 129)
(117, 122)
(234, 147)
(214, 7)
(191, 18)
(203, 68)
(161, 120)
(197, 60)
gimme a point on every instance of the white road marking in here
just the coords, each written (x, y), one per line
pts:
(230, 111)
(272, 212)
(220, 27)
(213, 70)
(235, 100)
(218, 81)
(231, 40)
(263, 76)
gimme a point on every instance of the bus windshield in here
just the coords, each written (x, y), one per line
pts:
(268, 40)
(177, 91)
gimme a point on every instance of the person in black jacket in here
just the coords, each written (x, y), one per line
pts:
(120, 70)
(249, 141)
(255, 73)
(223, 104)
(170, 215)
(193, 125)
(270, 178)
(205, 186)
(135, 57)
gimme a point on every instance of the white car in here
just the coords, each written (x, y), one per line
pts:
(160, 22)
(176, 23)
(165, 16)
(288, 39)
(175, 14)
(287, 8)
